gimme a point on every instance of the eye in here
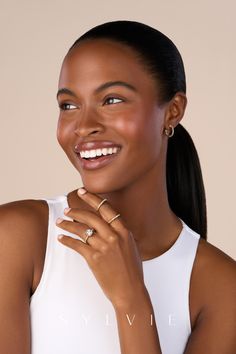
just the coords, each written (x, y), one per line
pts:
(67, 106)
(112, 100)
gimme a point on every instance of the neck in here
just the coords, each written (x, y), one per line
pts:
(145, 210)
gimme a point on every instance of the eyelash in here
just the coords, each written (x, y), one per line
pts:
(113, 98)
(63, 105)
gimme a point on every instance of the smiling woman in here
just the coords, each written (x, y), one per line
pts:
(132, 271)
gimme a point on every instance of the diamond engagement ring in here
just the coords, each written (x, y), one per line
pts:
(88, 233)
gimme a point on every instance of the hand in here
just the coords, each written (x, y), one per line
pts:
(111, 252)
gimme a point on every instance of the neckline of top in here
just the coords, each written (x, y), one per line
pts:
(171, 249)
(161, 256)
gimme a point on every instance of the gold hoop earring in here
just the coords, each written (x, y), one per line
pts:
(170, 134)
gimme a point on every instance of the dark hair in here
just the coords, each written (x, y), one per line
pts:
(163, 61)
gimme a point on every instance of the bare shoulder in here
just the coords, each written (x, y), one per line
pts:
(212, 301)
(23, 230)
(24, 210)
(214, 266)
(22, 219)
(213, 282)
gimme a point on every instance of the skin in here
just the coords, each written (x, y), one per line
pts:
(135, 187)
(137, 124)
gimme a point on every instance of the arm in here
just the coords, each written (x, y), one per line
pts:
(18, 227)
(112, 253)
(137, 327)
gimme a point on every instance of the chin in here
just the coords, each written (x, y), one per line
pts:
(96, 188)
(99, 187)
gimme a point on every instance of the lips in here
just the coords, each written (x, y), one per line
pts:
(95, 163)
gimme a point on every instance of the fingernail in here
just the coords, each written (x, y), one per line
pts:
(59, 220)
(82, 191)
(66, 210)
(59, 237)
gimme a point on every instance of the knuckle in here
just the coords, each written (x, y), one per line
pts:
(112, 239)
(104, 248)
(95, 256)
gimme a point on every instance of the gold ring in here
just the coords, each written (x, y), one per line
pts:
(114, 217)
(100, 204)
(89, 233)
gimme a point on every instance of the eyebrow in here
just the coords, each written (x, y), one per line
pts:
(102, 87)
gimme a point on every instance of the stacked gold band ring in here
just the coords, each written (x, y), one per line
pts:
(90, 232)
(100, 204)
(114, 217)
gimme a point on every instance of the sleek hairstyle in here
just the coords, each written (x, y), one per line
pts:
(161, 58)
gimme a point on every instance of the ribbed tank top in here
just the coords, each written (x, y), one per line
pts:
(70, 313)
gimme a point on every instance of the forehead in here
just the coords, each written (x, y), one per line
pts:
(101, 60)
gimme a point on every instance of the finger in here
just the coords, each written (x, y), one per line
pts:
(77, 245)
(79, 229)
(91, 219)
(106, 211)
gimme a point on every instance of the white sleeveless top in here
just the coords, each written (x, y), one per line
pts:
(70, 313)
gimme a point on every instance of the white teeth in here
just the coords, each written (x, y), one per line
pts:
(92, 153)
(98, 152)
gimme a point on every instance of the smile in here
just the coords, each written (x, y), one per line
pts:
(88, 154)
(97, 158)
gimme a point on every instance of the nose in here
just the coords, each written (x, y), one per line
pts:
(88, 123)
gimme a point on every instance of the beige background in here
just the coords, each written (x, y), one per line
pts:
(35, 36)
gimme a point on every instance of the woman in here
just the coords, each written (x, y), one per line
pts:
(118, 279)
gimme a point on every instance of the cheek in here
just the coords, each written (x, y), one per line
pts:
(63, 132)
(142, 130)
(153, 133)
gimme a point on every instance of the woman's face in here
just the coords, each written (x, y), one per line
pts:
(107, 98)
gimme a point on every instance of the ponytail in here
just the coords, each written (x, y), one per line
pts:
(186, 193)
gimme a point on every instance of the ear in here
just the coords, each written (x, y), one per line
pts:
(175, 110)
